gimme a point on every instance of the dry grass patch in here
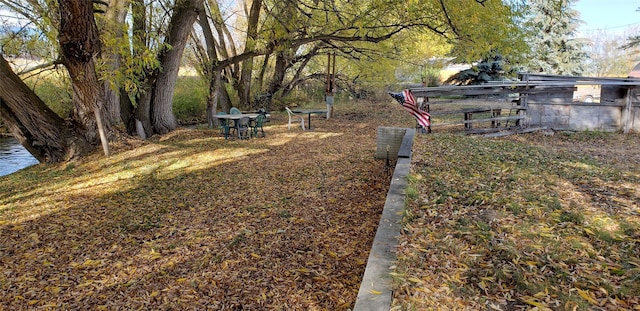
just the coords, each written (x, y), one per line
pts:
(523, 222)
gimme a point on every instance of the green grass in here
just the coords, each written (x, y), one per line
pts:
(55, 92)
(190, 99)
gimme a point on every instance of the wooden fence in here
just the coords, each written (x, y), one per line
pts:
(537, 101)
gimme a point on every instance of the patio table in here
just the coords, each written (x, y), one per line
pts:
(235, 118)
(310, 112)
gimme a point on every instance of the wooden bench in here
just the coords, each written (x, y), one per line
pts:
(468, 116)
(468, 113)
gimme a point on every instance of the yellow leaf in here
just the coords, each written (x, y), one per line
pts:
(131, 282)
(415, 280)
(587, 296)
(532, 301)
(255, 255)
(542, 294)
(482, 285)
(375, 292)
(154, 293)
(89, 263)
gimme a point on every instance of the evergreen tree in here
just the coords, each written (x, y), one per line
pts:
(555, 50)
(489, 69)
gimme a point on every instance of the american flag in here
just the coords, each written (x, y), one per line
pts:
(406, 99)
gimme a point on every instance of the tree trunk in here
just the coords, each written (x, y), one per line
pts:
(147, 75)
(80, 43)
(304, 61)
(212, 99)
(263, 69)
(279, 72)
(114, 18)
(225, 74)
(213, 76)
(184, 15)
(244, 87)
(40, 130)
(143, 111)
(127, 112)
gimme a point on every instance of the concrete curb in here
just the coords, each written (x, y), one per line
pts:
(375, 290)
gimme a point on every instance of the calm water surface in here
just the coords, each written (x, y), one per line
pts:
(13, 157)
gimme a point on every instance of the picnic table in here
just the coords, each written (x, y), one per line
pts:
(236, 118)
(310, 112)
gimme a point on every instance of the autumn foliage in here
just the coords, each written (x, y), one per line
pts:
(192, 221)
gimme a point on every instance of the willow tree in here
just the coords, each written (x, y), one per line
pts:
(294, 34)
(151, 62)
(183, 17)
(79, 46)
(38, 128)
(71, 23)
(113, 33)
(210, 47)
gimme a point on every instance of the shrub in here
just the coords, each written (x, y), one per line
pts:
(190, 99)
(55, 91)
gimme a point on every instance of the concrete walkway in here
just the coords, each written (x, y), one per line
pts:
(375, 290)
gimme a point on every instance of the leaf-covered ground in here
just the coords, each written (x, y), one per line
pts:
(525, 222)
(191, 221)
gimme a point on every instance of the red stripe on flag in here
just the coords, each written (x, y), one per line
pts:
(410, 105)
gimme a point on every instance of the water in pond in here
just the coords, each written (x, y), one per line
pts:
(13, 157)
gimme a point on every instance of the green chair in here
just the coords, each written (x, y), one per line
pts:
(256, 126)
(243, 128)
(223, 125)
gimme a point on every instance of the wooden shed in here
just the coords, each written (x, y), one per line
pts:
(617, 107)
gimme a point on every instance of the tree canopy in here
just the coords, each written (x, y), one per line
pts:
(253, 47)
(608, 57)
